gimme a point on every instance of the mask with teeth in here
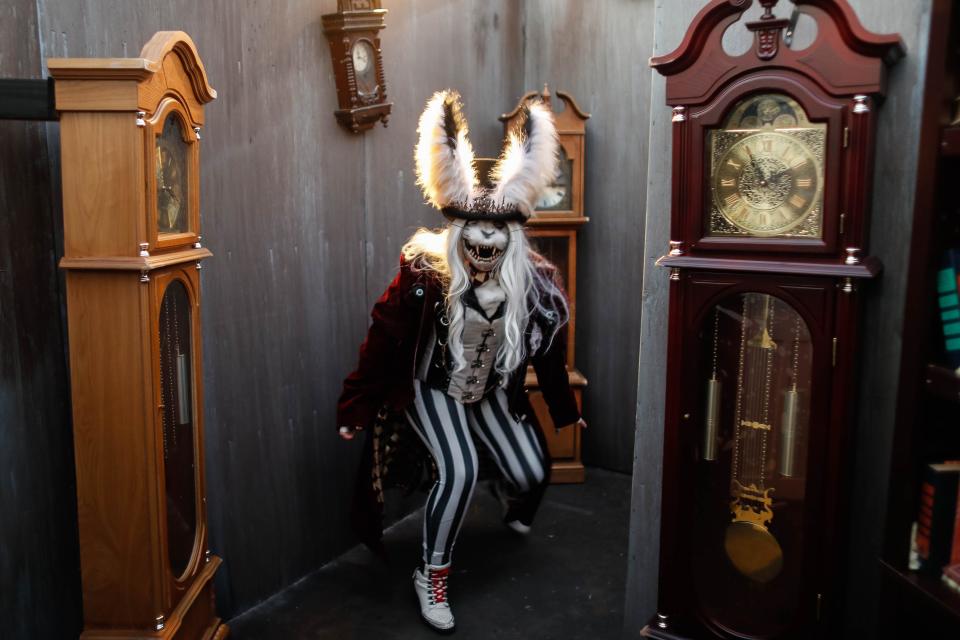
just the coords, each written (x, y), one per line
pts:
(484, 243)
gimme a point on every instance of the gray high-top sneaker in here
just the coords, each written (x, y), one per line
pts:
(431, 588)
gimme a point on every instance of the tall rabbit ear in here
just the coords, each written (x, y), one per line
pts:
(444, 156)
(529, 159)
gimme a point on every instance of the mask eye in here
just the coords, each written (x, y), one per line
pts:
(500, 226)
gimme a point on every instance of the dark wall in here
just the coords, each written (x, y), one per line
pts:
(39, 563)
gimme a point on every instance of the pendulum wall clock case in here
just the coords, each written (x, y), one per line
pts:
(772, 163)
(130, 157)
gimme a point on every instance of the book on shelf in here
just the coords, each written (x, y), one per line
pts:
(948, 299)
(938, 514)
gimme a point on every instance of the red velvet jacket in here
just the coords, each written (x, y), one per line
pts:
(400, 330)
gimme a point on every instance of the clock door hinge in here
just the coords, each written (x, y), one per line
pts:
(819, 605)
(834, 352)
(843, 219)
(846, 137)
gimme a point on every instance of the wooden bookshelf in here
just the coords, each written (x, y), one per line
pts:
(913, 604)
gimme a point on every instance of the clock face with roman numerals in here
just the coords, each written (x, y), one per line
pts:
(766, 171)
(767, 183)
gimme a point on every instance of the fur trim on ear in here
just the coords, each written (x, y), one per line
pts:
(529, 159)
(444, 156)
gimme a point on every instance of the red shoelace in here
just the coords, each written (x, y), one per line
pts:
(438, 584)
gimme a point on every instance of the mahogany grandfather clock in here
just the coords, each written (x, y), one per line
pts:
(552, 229)
(772, 164)
(130, 157)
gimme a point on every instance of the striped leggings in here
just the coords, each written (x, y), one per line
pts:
(445, 426)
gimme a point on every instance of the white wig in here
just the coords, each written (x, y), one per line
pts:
(528, 291)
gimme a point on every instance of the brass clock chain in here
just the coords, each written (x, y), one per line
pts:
(166, 381)
(769, 351)
(737, 429)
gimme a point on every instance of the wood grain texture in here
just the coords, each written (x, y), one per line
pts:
(597, 52)
(898, 126)
(39, 563)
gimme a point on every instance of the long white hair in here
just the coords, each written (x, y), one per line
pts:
(528, 290)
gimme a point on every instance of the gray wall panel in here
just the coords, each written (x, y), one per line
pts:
(598, 51)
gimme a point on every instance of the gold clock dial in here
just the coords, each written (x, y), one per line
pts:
(767, 183)
(172, 178)
(766, 171)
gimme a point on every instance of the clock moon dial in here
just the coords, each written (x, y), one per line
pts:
(767, 183)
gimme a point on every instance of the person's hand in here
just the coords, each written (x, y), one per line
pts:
(347, 433)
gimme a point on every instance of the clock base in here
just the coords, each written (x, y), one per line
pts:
(363, 118)
(194, 618)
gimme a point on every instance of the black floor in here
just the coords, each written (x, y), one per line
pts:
(566, 580)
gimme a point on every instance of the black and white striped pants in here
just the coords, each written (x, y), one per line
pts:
(445, 426)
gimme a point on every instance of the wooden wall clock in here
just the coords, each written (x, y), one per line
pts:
(358, 63)
(772, 164)
(130, 158)
(553, 230)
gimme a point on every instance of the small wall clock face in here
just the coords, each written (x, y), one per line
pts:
(172, 178)
(364, 66)
(557, 196)
(766, 171)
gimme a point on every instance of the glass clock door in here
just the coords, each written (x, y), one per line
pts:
(752, 464)
(171, 165)
(177, 422)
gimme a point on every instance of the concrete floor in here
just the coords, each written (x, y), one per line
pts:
(566, 580)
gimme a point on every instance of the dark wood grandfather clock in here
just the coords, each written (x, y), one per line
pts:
(772, 164)
(130, 158)
(553, 230)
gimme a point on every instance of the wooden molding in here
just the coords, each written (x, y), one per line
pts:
(135, 263)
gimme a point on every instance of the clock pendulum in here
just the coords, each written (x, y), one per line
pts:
(750, 546)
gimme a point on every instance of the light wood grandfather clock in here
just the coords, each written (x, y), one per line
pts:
(772, 165)
(553, 230)
(130, 157)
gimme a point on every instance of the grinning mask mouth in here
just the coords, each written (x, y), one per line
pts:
(484, 243)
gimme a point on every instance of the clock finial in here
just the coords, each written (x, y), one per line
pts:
(768, 29)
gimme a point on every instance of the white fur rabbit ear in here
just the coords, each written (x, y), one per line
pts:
(444, 156)
(529, 160)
